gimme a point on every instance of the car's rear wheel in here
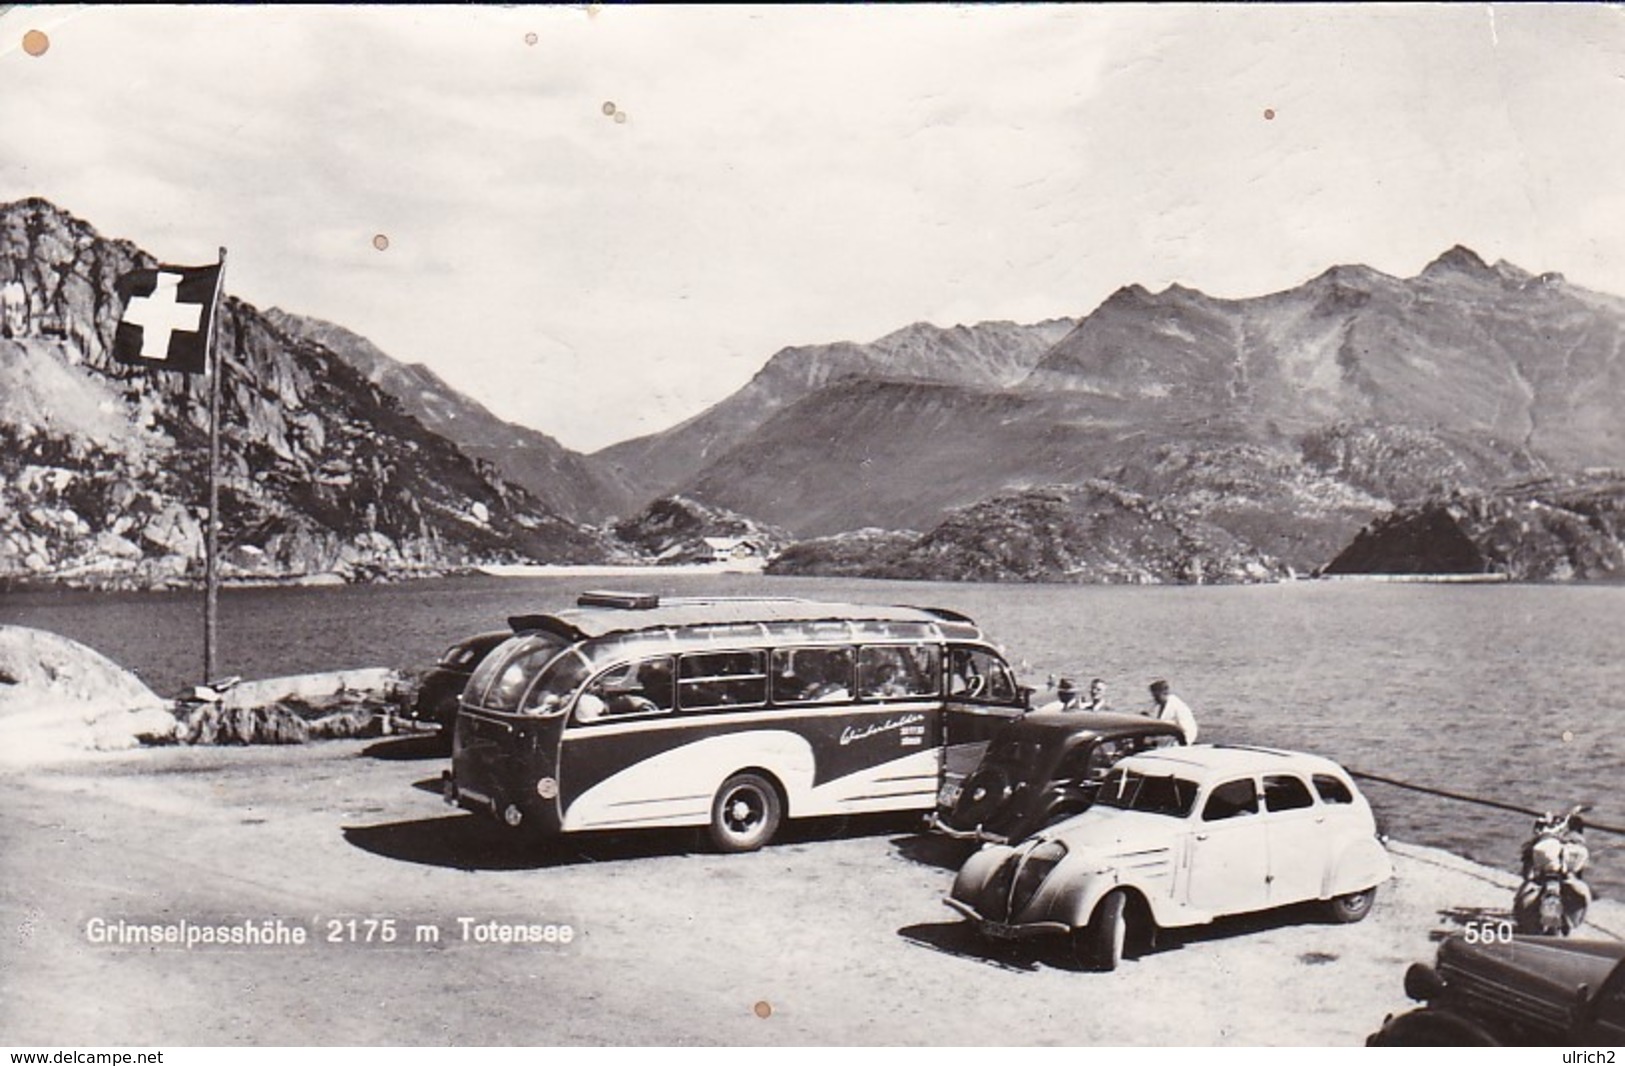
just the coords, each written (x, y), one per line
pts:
(1351, 907)
(1100, 944)
(745, 813)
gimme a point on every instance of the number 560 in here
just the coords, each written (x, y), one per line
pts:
(1488, 932)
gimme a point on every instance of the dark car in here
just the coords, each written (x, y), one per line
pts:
(1518, 991)
(440, 686)
(1041, 768)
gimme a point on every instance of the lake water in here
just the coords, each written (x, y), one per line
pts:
(1511, 692)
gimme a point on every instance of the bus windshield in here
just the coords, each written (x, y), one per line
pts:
(505, 673)
(1132, 791)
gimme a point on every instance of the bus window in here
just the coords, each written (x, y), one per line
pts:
(979, 675)
(722, 679)
(812, 675)
(898, 671)
(642, 687)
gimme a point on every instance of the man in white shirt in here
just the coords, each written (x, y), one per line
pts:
(1173, 709)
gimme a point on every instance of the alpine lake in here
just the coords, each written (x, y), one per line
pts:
(1512, 693)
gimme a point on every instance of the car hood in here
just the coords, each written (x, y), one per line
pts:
(1108, 831)
(1535, 978)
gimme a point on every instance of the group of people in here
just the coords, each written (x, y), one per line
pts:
(1165, 704)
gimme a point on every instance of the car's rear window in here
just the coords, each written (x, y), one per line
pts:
(1013, 751)
(1332, 790)
(1286, 792)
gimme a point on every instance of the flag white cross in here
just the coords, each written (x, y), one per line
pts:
(162, 314)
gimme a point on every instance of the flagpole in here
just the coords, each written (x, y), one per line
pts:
(211, 575)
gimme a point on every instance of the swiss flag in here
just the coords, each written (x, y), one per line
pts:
(167, 314)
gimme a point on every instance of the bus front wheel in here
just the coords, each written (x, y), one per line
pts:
(745, 813)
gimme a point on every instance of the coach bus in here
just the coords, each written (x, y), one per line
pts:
(631, 711)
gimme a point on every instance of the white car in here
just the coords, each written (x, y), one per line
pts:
(1179, 837)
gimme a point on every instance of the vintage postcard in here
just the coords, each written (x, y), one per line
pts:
(1084, 525)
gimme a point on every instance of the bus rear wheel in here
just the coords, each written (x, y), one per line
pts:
(745, 813)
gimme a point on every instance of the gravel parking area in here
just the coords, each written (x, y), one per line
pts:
(835, 935)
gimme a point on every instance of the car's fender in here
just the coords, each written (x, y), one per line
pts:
(971, 881)
(1363, 863)
(1075, 899)
(1431, 1027)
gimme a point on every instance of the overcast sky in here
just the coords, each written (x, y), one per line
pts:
(792, 177)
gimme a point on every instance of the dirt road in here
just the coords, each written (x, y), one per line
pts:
(836, 935)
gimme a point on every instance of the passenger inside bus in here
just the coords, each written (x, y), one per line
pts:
(892, 672)
(637, 688)
(812, 675)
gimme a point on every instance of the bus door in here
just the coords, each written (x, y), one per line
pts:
(982, 695)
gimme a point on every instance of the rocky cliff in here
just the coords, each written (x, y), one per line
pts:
(1554, 530)
(103, 467)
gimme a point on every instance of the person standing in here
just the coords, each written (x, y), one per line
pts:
(1173, 709)
(1066, 697)
(1097, 696)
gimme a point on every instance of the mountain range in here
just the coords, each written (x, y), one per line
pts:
(1163, 436)
(1289, 420)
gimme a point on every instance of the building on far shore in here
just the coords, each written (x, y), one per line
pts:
(735, 549)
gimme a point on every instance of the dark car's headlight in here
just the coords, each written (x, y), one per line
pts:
(1036, 866)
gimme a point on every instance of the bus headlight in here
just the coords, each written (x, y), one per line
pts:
(547, 788)
(513, 815)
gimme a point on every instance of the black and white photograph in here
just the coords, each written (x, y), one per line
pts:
(1090, 525)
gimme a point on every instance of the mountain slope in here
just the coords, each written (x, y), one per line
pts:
(568, 483)
(989, 354)
(1464, 346)
(105, 466)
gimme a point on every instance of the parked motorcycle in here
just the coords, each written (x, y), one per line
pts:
(1553, 898)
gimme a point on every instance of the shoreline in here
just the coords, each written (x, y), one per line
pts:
(112, 585)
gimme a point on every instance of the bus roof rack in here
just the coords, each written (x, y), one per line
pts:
(625, 601)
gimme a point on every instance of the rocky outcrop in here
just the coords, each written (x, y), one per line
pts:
(103, 467)
(1557, 530)
(60, 700)
(859, 553)
(1095, 532)
(673, 529)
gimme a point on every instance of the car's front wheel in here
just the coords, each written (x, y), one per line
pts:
(745, 813)
(1351, 907)
(1100, 944)
(1426, 1027)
